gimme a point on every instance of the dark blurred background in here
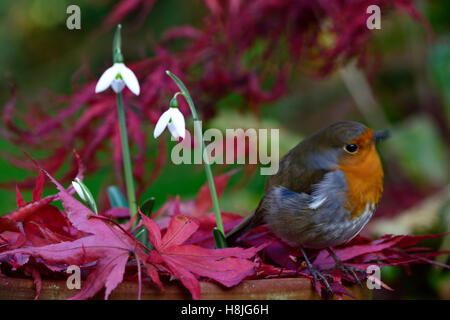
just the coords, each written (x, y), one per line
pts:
(406, 89)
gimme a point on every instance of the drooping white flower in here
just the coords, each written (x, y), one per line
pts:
(174, 120)
(117, 77)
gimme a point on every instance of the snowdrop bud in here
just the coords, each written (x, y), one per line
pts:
(84, 193)
(79, 190)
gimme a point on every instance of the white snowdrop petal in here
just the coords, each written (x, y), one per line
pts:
(117, 85)
(173, 130)
(106, 79)
(178, 121)
(161, 124)
(78, 190)
(181, 131)
(130, 79)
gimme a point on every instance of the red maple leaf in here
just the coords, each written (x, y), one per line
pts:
(37, 222)
(106, 246)
(189, 262)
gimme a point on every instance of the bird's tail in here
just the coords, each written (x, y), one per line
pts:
(252, 221)
(239, 230)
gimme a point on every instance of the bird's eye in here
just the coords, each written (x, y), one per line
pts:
(351, 148)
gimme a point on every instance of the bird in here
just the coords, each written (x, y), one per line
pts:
(326, 190)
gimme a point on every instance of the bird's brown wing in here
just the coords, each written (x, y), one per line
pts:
(296, 173)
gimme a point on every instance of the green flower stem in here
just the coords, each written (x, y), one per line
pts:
(126, 157)
(209, 176)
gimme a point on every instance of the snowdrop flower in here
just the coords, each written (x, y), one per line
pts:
(174, 120)
(117, 77)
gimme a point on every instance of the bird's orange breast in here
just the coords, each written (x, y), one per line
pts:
(364, 174)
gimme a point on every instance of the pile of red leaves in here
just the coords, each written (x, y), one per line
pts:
(78, 237)
(248, 48)
(39, 240)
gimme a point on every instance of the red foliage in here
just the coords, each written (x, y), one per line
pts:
(222, 53)
(281, 260)
(37, 223)
(227, 266)
(105, 249)
(46, 241)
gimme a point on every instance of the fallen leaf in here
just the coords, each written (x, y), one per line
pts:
(189, 262)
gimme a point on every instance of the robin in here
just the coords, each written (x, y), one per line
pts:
(325, 191)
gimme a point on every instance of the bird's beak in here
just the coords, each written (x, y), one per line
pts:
(381, 135)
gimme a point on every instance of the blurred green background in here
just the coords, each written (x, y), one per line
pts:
(409, 93)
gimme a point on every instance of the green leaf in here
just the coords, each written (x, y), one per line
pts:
(219, 239)
(147, 206)
(116, 197)
(141, 235)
